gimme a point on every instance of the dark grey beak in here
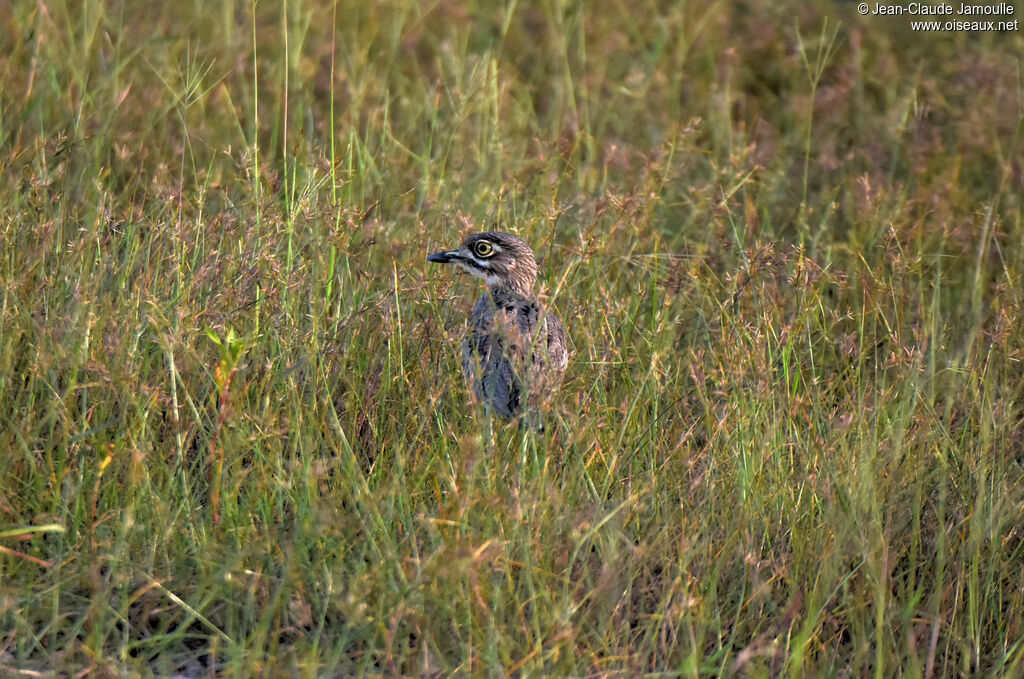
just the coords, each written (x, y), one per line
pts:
(442, 257)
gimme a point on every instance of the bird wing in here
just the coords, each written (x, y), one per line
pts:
(488, 359)
(558, 343)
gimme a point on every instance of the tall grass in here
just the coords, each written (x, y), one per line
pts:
(234, 440)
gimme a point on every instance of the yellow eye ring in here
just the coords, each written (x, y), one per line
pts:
(483, 248)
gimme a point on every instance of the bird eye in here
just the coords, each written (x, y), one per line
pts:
(483, 248)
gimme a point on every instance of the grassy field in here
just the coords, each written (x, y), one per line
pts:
(788, 245)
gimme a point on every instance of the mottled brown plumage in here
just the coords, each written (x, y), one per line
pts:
(515, 354)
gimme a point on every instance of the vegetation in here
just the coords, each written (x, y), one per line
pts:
(788, 244)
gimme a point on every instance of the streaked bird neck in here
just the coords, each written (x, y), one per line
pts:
(503, 291)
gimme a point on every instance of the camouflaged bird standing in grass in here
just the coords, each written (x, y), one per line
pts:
(515, 353)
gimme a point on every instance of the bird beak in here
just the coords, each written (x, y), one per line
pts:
(442, 257)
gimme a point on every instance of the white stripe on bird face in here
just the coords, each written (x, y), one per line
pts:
(475, 267)
(483, 272)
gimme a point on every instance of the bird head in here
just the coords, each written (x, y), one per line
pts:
(501, 259)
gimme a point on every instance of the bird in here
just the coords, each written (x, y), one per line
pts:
(515, 353)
